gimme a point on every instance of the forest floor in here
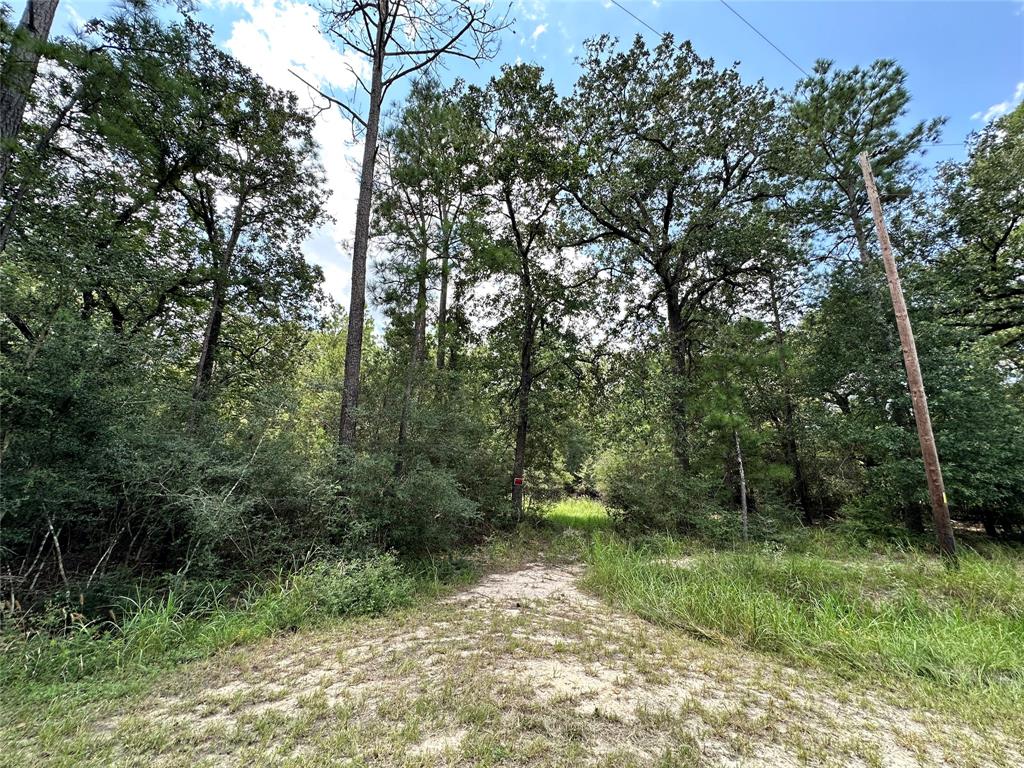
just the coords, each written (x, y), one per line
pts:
(524, 668)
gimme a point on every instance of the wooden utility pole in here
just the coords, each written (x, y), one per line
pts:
(933, 471)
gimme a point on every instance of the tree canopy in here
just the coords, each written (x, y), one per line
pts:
(639, 289)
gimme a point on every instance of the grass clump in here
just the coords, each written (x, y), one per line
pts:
(904, 615)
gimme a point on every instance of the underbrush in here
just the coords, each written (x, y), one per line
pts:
(903, 615)
(172, 628)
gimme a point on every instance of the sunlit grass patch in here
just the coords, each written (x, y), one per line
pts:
(903, 618)
(584, 514)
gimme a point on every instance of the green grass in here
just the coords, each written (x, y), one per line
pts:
(898, 625)
(582, 514)
(54, 685)
(162, 630)
(898, 617)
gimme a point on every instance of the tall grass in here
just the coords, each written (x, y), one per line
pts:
(871, 616)
(161, 630)
(582, 514)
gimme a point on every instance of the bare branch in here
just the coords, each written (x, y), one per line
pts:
(333, 100)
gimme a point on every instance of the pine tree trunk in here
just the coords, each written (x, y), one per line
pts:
(792, 454)
(743, 485)
(19, 73)
(357, 303)
(858, 228)
(442, 307)
(678, 350)
(457, 325)
(417, 355)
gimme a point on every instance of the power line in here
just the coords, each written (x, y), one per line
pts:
(738, 15)
(765, 38)
(620, 5)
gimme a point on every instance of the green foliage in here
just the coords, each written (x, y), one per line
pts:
(981, 266)
(116, 258)
(866, 417)
(631, 290)
(834, 115)
(421, 511)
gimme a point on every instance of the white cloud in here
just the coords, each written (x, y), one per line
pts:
(1000, 109)
(273, 37)
(531, 10)
(77, 21)
(539, 30)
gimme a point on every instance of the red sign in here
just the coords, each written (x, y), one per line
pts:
(517, 481)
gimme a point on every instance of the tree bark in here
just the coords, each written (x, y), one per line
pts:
(417, 355)
(211, 338)
(19, 73)
(526, 350)
(799, 487)
(225, 255)
(40, 151)
(457, 323)
(679, 352)
(357, 303)
(523, 412)
(858, 226)
(743, 484)
(442, 305)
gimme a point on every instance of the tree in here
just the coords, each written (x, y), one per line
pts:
(835, 115)
(110, 276)
(94, 216)
(255, 202)
(676, 156)
(429, 177)
(981, 263)
(526, 166)
(398, 38)
(18, 67)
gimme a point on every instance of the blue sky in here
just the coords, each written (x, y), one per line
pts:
(965, 60)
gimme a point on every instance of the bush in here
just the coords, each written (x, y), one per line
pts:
(648, 493)
(422, 510)
(364, 587)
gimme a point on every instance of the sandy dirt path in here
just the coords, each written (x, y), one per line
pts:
(523, 669)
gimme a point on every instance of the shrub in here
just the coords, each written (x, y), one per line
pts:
(422, 510)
